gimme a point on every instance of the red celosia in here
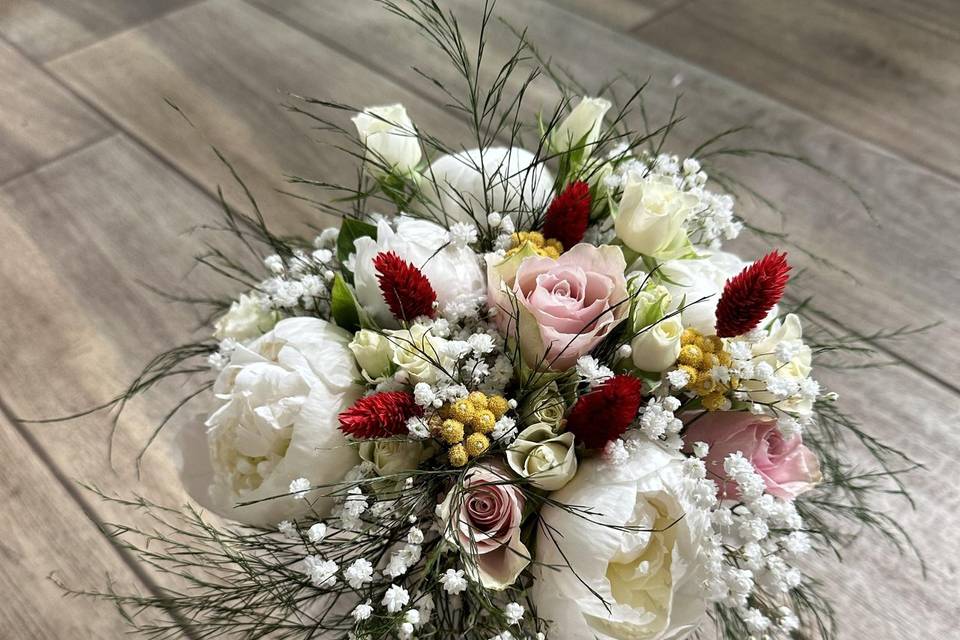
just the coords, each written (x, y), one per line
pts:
(605, 413)
(406, 290)
(748, 297)
(569, 214)
(380, 416)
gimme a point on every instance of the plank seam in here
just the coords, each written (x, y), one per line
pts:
(656, 15)
(60, 157)
(88, 510)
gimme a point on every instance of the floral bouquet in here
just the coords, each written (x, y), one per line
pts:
(518, 391)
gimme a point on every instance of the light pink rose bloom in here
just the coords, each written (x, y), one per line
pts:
(787, 467)
(483, 518)
(567, 306)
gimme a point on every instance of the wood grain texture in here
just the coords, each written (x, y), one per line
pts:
(45, 29)
(914, 206)
(39, 120)
(228, 65)
(622, 15)
(43, 532)
(859, 66)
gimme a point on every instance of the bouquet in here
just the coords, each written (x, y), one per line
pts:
(519, 390)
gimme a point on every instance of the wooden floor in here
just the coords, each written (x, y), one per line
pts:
(99, 180)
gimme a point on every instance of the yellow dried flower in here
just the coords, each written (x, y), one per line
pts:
(478, 399)
(458, 455)
(710, 360)
(550, 252)
(451, 431)
(689, 336)
(476, 444)
(483, 421)
(536, 238)
(690, 355)
(705, 344)
(725, 358)
(705, 385)
(714, 401)
(435, 422)
(553, 243)
(692, 373)
(498, 405)
(462, 410)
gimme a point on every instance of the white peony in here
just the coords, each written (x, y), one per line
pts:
(246, 319)
(454, 273)
(650, 577)
(582, 127)
(389, 137)
(690, 280)
(470, 184)
(277, 422)
(651, 215)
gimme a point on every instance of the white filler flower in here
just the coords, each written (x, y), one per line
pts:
(650, 575)
(276, 424)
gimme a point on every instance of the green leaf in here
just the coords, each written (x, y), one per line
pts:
(343, 306)
(350, 230)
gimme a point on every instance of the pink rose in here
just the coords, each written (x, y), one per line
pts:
(483, 517)
(787, 467)
(566, 306)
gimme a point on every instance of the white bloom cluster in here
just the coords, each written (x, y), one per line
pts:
(657, 421)
(750, 550)
(592, 372)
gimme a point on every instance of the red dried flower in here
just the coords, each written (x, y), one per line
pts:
(380, 416)
(406, 290)
(569, 214)
(749, 295)
(605, 413)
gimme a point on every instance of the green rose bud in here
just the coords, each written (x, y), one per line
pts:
(546, 407)
(373, 352)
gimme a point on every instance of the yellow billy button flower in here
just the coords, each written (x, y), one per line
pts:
(458, 455)
(497, 405)
(534, 239)
(451, 431)
(484, 421)
(476, 444)
(478, 400)
(462, 410)
(692, 374)
(714, 401)
(691, 355)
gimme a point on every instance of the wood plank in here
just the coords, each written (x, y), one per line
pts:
(622, 15)
(864, 71)
(45, 29)
(43, 532)
(941, 17)
(39, 120)
(91, 228)
(821, 215)
(227, 65)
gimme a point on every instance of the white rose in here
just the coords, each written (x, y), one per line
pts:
(389, 137)
(246, 319)
(649, 575)
(373, 352)
(546, 459)
(390, 457)
(470, 184)
(690, 280)
(657, 348)
(788, 329)
(454, 273)
(423, 356)
(651, 216)
(581, 127)
(277, 421)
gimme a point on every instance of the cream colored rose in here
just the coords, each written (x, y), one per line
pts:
(390, 457)
(373, 351)
(420, 354)
(547, 460)
(546, 406)
(389, 137)
(656, 349)
(279, 399)
(631, 568)
(651, 215)
(582, 127)
(789, 329)
(246, 319)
